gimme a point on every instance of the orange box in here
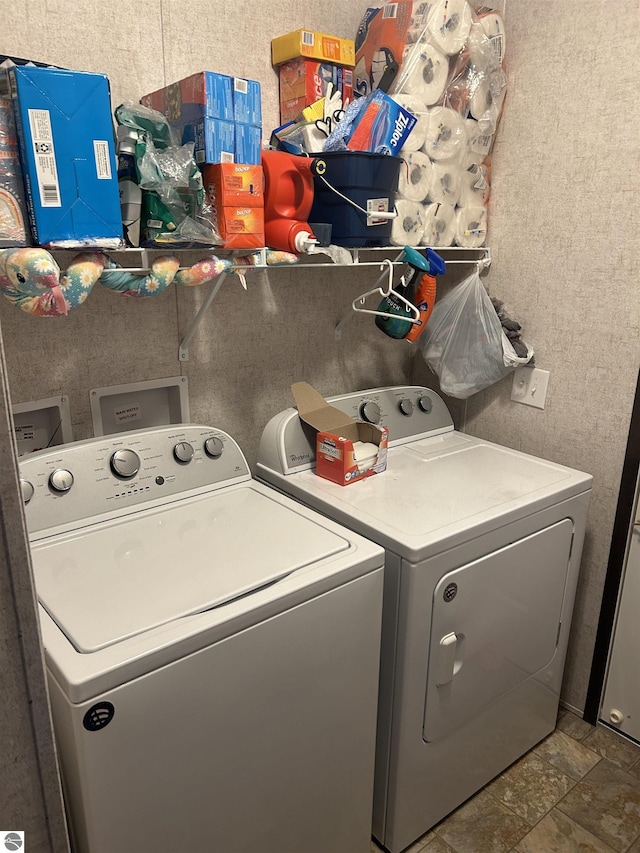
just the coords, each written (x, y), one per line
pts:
(240, 227)
(345, 449)
(234, 185)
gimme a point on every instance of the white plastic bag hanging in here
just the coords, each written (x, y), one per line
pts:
(464, 344)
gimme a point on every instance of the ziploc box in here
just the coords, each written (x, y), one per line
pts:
(346, 450)
(382, 126)
(214, 140)
(68, 154)
(313, 45)
(203, 94)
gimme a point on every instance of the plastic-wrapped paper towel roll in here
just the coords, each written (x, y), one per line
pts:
(417, 108)
(415, 176)
(439, 225)
(477, 146)
(446, 181)
(486, 101)
(449, 24)
(424, 73)
(474, 186)
(471, 227)
(493, 26)
(446, 134)
(408, 226)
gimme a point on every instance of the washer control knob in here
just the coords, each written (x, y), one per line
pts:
(406, 407)
(125, 463)
(213, 447)
(61, 480)
(425, 403)
(27, 490)
(183, 452)
(370, 412)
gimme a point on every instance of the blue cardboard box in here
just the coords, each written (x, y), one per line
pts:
(247, 101)
(248, 144)
(68, 154)
(214, 140)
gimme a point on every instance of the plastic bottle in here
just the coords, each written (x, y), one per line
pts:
(424, 297)
(130, 192)
(288, 196)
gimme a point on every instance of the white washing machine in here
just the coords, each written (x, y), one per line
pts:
(483, 548)
(212, 650)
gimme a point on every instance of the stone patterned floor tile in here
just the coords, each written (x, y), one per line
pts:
(557, 833)
(616, 749)
(437, 845)
(571, 757)
(572, 725)
(531, 787)
(635, 769)
(482, 824)
(607, 803)
(635, 848)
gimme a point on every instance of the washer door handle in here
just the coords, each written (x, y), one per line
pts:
(449, 660)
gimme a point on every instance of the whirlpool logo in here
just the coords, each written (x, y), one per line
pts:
(98, 716)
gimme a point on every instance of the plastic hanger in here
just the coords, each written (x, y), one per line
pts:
(385, 291)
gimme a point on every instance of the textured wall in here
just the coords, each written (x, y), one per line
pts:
(565, 235)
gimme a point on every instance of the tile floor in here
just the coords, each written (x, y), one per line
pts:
(578, 791)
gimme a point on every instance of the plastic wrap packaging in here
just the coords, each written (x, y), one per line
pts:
(448, 58)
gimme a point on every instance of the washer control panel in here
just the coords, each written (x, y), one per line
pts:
(84, 479)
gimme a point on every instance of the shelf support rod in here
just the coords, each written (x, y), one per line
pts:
(183, 352)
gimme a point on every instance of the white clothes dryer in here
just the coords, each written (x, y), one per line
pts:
(212, 650)
(483, 547)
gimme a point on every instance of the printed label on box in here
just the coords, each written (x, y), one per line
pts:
(103, 159)
(45, 158)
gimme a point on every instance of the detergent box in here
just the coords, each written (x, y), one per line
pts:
(67, 148)
(247, 102)
(314, 45)
(346, 450)
(203, 94)
(240, 227)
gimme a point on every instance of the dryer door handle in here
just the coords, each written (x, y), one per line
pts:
(449, 660)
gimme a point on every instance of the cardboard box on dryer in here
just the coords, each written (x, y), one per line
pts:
(67, 148)
(346, 450)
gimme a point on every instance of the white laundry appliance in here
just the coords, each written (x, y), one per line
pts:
(483, 548)
(212, 650)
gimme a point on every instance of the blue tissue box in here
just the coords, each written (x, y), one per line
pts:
(248, 144)
(247, 102)
(68, 154)
(214, 140)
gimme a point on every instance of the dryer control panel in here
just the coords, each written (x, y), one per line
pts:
(85, 479)
(409, 412)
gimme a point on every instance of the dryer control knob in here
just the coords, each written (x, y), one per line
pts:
(183, 452)
(61, 480)
(27, 490)
(125, 463)
(213, 447)
(425, 403)
(406, 407)
(370, 412)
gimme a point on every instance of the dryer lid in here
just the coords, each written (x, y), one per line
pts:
(127, 576)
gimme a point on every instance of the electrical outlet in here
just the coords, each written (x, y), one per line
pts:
(530, 386)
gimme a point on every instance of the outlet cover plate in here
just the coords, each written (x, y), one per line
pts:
(530, 386)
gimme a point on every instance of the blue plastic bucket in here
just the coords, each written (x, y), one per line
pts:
(346, 185)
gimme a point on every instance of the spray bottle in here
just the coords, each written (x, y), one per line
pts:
(420, 287)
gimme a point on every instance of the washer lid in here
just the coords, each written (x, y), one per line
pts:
(127, 576)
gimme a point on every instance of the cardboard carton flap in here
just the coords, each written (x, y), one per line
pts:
(315, 410)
